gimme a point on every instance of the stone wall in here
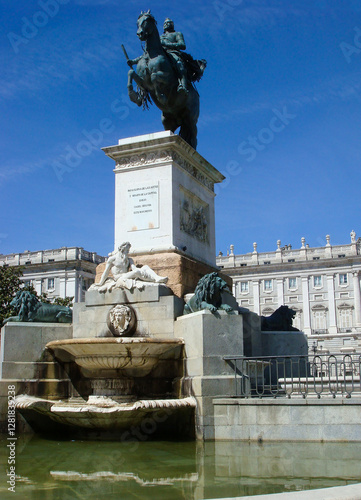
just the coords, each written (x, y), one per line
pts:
(25, 366)
(285, 419)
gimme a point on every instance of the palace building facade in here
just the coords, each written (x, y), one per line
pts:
(62, 272)
(321, 284)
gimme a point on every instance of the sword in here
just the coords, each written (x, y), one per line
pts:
(126, 56)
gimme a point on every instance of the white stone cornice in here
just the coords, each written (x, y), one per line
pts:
(154, 149)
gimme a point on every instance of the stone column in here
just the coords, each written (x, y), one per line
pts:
(306, 306)
(332, 328)
(357, 295)
(38, 287)
(235, 288)
(62, 287)
(280, 292)
(71, 289)
(78, 287)
(256, 307)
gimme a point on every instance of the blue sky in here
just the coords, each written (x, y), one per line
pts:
(280, 117)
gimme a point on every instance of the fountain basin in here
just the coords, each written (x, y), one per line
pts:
(131, 357)
(104, 414)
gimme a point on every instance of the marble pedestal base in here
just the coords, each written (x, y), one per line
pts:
(182, 271)
(208, 338)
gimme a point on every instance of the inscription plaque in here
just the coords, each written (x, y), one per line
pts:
(143, 206)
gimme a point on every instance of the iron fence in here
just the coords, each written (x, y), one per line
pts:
(277, 376)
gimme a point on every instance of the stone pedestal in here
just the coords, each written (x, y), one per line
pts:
(164, 196)
(281, 343)
(183, 272)
(208, 338)
(155, 307)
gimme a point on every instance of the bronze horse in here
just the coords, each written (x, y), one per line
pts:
(157, 80)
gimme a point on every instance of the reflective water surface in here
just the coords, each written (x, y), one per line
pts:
(59, 470)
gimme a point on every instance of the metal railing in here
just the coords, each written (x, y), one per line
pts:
(276, 376)
(344, 330)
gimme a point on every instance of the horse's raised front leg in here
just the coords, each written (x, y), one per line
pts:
(133, 95)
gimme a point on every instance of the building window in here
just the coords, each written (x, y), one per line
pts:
(51, 283)
(343, 279)
(346, 319)
(266, 262)
(291, 260)
(292, 282)
(317, 281)
(319, 321)
(316, 258)
(268, 285)
(244, 286)
(341, 256)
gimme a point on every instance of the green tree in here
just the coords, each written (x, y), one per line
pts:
(68, 301)
(9, 284)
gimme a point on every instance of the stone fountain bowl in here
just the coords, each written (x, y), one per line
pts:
(133, 357)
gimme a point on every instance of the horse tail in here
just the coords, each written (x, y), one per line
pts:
(144, 96)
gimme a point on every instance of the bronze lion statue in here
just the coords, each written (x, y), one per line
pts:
(279, 321)
(29, 308)
(208, 295)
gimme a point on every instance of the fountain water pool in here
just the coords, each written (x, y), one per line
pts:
(141, 468)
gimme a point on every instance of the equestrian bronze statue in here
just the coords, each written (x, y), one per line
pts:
(165, 75)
